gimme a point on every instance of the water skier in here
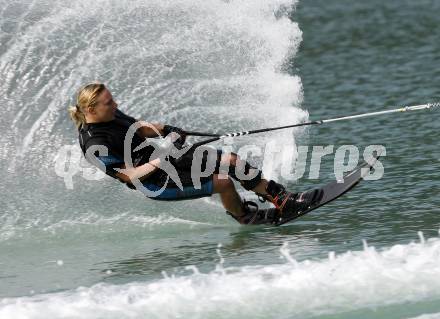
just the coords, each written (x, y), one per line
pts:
(101, 124)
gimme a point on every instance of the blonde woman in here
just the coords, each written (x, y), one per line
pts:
(101, 124)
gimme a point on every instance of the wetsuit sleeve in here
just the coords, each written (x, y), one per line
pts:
(106, 159)
(110, 162)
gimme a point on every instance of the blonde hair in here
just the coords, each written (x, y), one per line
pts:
(87, 97)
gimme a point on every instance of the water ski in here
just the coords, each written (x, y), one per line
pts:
(321, 196)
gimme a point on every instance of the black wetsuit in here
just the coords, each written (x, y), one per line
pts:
(111, 136)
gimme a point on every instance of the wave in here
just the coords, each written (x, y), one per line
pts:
(428, 316)
(205, 63)
(352, 281)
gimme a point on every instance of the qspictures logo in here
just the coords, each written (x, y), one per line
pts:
(288, 162)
